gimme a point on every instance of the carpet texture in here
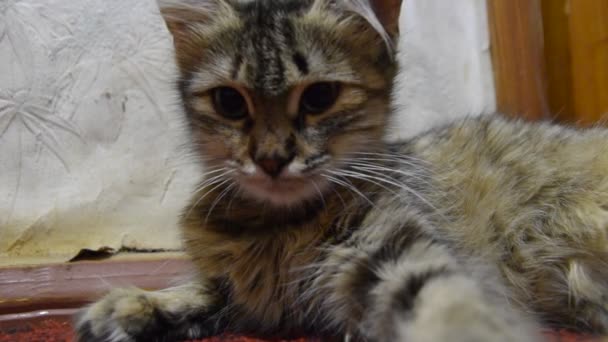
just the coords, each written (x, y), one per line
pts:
(61, 331)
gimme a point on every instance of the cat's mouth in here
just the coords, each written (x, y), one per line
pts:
(283, 191)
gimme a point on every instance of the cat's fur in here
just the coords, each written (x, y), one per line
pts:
(469, 232)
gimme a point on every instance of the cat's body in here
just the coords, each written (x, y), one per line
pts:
(454, 235)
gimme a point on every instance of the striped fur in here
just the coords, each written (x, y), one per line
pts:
(471, 232)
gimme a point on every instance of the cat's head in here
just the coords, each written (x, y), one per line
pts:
(279, 93)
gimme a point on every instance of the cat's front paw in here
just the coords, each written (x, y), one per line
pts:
(453, 309)
(124, 315)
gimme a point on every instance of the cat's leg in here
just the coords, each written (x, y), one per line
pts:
(423, 294)
(454, 308)
(133, 315)
(558, 266)
(570, 289)
(587, 293)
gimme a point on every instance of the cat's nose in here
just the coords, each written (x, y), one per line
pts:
(273, 166)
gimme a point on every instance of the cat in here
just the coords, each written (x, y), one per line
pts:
(309, 224)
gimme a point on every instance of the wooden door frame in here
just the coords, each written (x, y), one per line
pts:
(550, 59)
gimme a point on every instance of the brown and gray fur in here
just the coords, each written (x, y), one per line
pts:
(469, 232)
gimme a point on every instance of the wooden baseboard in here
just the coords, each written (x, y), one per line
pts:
(70, 285)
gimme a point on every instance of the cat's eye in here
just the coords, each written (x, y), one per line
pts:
(319, 97)
(229, 103)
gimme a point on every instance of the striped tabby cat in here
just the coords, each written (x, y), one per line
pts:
(308, 223)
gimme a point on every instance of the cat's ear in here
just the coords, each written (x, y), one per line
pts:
(382, 15)
(187, 19)
(179, 15)
(388, 13)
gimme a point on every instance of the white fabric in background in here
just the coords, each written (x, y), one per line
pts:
(446, 67)
(90, 141)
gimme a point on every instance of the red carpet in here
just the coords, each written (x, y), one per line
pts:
(60, 331)
(52, 330)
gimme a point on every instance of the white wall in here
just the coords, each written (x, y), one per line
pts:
(89, 139)
(446, 64)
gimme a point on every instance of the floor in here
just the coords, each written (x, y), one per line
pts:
(60, 330)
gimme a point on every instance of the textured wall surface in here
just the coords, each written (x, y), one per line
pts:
(90, 139)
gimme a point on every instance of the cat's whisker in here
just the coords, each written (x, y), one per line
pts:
(393, 156)
(420, 172)
(314, 184)
(209, 184)
(372, 167)
(196, 203)
(340, 198)
(209, 181)
(403, 166)
(206, 174)
(216, 170)
(401, 160)
(375, 177)
(235, 194)
(206, 185)
(218, 199)
(409, 163)
(365, 178)
(348, 186)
